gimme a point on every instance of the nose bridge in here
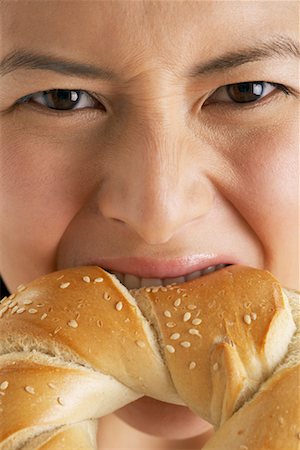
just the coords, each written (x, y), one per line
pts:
(160, 188)
(159, 180)
(154, 94)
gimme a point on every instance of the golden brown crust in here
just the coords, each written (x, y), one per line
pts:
(269, 422)
(76, 345)
(90, 320)
(237, 307)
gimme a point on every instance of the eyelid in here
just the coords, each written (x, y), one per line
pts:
(232, 103)
(94, 97)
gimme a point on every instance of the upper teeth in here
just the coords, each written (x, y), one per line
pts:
(133, 282)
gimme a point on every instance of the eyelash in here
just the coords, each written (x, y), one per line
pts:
(26, 99)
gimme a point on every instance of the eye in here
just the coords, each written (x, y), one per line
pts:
(63, 100)
(247, 92)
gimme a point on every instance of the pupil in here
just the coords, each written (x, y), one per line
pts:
(61, 99)
(245, 92)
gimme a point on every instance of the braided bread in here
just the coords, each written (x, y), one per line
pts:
(76, 345)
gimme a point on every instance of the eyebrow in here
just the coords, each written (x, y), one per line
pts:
(23, 59)
(278, 46)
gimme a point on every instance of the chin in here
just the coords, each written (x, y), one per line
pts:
(162, 419)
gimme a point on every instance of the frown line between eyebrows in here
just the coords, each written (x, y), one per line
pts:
(279, 46)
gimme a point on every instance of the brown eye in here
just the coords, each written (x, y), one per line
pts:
(63, 100)
(245, 92)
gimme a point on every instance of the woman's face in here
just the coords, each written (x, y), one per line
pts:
(144, 152)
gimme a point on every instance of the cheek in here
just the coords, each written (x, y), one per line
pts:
(39, 196)
(269, 176)
(266, 194)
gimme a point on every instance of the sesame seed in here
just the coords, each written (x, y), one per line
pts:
(4, 385)
(171, 324)
(57, 329)
(281, 420)
(59, 278)
(2, 299)
(12, 296)
(177, 302)
(99, 323)
(73, 324)
(44, 316)
(148, 289)
(64, 285)
(243, 447)
(119, 306)
(253, 316)
(27, 302)
(11, 304)
(196, 321)
(127, 320)
(247, 304)
(40, 305)
(3, 311)
(60, 401)
(32, 311)
(140, 344)
(15, 308)
(185, 344)
(21, 288)
(175, 336)
(187, 316)
(167, 313)
(216, 367)
(155, 289)
(29, 389)
(51, 385)
(192, 307)
(106, 296)
(170, 348)
(98, 280)
(247, 319)
(20, 310)
(194, 331)
(163, 288)
(86, 279)
(192, 365)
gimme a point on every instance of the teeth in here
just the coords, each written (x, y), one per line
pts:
(193, 275)
(177, 280)
(151, 282)
(209, 269)
(131, 281)
(134, 282)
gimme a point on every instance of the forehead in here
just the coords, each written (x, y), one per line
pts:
(125, 33)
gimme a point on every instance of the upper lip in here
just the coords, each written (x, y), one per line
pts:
(162, 268)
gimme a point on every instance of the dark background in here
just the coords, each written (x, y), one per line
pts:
(3, 289)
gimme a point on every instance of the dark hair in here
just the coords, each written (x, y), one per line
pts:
(3, 289)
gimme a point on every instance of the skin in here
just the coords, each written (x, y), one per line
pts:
(161, 173)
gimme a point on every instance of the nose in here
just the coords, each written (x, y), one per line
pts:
(156, 187)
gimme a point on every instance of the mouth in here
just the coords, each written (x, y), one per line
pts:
(131, 281)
